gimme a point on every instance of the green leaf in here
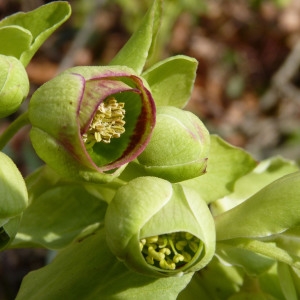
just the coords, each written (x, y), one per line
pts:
(272, 210)
(269, 283)
(265, 248)
(87, 270)
(14, 40)
(253, 263)
(217, 281)
(225, 165)
(58, 216)
(171, 80)
(138, 48)
(41, 23)
(286, 281)
(266, 172)
(8, 231)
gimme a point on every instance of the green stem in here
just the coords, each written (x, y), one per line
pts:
(13, 128)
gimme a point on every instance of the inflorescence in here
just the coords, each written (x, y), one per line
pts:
(170, 251)
(107, 123)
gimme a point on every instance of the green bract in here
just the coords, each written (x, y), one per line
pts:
(178, 149)
(160, 229)
(14, 84)
(91, 120)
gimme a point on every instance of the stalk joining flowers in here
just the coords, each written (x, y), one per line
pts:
(107, 123)
(170, 251)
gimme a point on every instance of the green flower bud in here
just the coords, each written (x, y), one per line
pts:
(160, 229)
(89, 121)
(13, 192)
(178, 149)
(14, 85)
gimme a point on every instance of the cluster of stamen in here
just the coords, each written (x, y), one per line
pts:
(107, 123)
(169, 251)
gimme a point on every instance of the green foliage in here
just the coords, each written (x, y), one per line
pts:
(189, 215)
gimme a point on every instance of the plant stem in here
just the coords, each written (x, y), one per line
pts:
(13, 128)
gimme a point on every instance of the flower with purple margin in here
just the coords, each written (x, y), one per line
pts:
(89, 122)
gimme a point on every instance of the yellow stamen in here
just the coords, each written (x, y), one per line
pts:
(170, 251)
(107, 123)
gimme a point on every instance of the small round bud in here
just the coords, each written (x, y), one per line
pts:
(179, 147)
(14, 85)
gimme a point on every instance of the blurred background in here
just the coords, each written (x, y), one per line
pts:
(247, 88)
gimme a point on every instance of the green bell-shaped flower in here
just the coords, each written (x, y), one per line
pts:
(160, 229)
(179, 147)
(88, 122)
(14, 85)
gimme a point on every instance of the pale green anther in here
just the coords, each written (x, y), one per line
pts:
(107, 123)
(187, 256)
(150, 260)
(167, 266)
(177, 258)
(142, 243)
(166, 251)
(152, 239)
(188, 236)
(156, 255)
(180, 245)
(162, 242)
(193, 246)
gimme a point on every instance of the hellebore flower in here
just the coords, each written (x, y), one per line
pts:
(160, 229)
(89, 121)
(14, 85)
(179, 147)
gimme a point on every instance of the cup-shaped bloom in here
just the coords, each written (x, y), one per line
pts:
(14, 84)
(89, 121)
(13, 192)
(179, 146)
(160, 229)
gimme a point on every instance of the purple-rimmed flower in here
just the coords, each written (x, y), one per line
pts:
(88, 122)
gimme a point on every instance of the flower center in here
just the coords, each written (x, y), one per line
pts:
(170, 251)
(107, 123)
